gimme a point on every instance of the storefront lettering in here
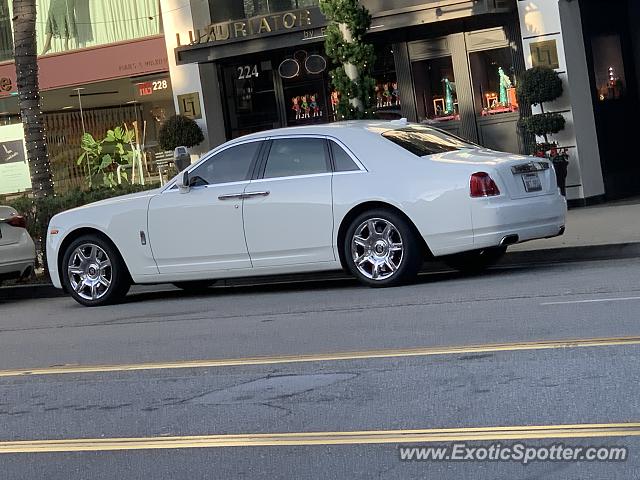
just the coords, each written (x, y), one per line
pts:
(250, 27)
(5, 84)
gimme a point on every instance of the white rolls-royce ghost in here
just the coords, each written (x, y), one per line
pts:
(372, 197)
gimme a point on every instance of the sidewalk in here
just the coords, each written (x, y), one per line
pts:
(609, 224)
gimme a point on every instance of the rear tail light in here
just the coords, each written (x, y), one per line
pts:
(17, 221)
(482, 185)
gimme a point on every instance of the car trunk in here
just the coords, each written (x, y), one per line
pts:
(522, 176)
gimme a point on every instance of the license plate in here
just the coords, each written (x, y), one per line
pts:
(532, 182)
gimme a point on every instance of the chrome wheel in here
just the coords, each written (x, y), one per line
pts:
(377, 249)
(90, 272)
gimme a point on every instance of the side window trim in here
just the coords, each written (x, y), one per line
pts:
(265, 156)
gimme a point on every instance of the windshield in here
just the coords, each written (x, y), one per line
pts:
(423, 141)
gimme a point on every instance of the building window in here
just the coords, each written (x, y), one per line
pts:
(493, 79)
(6, 39)
(436, 90)
(225, 10)
(65, 25)
(608, 66)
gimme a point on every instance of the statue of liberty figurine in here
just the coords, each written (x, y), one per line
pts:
(505, 84)
(449, 88)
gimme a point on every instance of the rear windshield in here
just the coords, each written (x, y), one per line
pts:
(423, 141)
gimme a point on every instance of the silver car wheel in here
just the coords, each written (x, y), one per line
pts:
(90, 271)
(377, 249)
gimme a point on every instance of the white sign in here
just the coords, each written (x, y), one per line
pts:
(14, 170)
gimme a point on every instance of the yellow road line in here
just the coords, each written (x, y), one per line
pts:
(326, 438)
(326, 357)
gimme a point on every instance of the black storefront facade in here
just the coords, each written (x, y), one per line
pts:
(450, 63)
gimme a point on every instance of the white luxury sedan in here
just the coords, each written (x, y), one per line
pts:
(375, 198)
(17, 250)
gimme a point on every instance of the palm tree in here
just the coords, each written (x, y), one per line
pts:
(24, 39)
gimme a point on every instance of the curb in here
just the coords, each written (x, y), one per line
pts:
(511, 259)
(29, 292)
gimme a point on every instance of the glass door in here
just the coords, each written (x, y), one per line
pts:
(250, 98)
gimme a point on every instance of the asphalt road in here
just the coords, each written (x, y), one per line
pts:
(517, 384)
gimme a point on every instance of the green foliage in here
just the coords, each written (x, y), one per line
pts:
(358, 53)
(101, 158)
(39, 211)
(179, 131)
(543, 124)
(539, 85)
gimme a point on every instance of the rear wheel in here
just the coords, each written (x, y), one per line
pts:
(93, 272)
(475, 261)
(381, 249)
(195, 286)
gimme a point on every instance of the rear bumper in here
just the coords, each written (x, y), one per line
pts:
(17, 259)
(528, 218)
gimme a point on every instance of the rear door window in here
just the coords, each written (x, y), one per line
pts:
(423, 141)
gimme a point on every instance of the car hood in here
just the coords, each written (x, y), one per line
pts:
(115, 200)
(479, 156)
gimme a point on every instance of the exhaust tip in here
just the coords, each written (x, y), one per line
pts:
(509, 240)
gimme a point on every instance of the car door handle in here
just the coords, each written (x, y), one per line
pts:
(231, 196)
(256, 194)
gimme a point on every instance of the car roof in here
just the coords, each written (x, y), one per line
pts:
(336, 129)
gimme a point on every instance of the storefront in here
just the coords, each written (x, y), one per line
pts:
(451, 65)
(104, 65)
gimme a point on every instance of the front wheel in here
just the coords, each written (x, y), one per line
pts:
(93, 272)
(476, 261)
(381, 249)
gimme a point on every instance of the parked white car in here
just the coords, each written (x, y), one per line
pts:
(17, 250)
(375, 198)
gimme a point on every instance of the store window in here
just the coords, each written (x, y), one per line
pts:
(608, 66)
(65, 25)
(493, 79)
(387, 102)
(250, 97)
(225, 10)
(305, 86)
(436, 90)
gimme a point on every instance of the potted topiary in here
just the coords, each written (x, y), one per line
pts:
(179, 131)
(537, 86)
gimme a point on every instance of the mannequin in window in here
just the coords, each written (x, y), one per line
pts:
(61, 23)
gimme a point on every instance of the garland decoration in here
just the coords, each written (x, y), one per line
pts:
(344, 45)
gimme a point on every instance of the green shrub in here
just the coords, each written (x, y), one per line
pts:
(539, 85)
(543, 124)
(180, 131)
(38, 212)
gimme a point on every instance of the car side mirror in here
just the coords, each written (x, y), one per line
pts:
(183, 182)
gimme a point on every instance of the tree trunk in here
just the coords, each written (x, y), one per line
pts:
(350, 69)
(24, 34)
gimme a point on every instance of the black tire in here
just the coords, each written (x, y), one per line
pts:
(198, 286)
(120, 280)
(476, 261)
(407, 265)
